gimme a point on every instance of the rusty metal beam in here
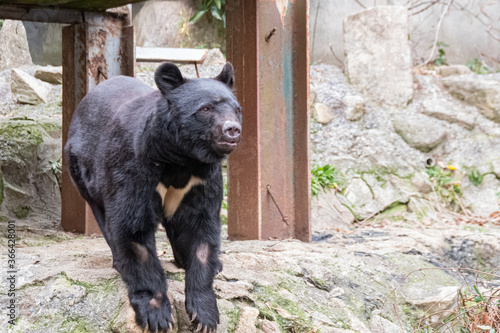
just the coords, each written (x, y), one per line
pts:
(92, 52)
(269, 178)
(301, 122)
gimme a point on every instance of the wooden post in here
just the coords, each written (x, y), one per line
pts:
(269, 174)
(94, 50)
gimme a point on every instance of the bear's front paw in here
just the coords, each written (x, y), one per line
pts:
(201, 308)
(153, 311)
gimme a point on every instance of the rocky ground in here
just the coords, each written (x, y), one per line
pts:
(362, 280)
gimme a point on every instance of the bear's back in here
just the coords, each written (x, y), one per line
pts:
(114, 102)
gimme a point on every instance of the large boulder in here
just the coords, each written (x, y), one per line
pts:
(13, 45)
(377, 54)
(30, 157)
(476, 90)
(419, 131)
(28, 90)
(45, 42)
(374, 192)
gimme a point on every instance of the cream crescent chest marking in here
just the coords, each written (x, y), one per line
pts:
(172, 197)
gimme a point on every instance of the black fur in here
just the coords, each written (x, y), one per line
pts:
(126, 138)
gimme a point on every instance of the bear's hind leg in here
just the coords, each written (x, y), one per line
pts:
(100, 217)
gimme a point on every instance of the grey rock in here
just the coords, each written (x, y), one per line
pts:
(477, 91)
(328, 213)
(419, 131)
(439, 303)
(374, 193)
(421, 183)
(458, 114)
(483, 199)
(354, 107)
(368, 38)
(382, 325)
(28, 152)
(14, 45)
(359, 195)
(453, 70)
(49, 74)
(337, 292)
(247, 320)
(233, 290)
(28, 90)
(45, 41)
(323, 113)
(422, 208)
(268, 326)
(214, 57)
(473, 150)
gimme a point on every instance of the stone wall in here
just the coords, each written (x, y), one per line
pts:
(465, 34)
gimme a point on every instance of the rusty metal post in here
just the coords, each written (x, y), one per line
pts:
(269, 174)
(94, 50)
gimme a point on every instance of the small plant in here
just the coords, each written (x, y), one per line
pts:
(323, 177)
(441, 57)
(475, 176)
(477, 66)
(56, 167)
(479, 311)
(446, 186)
(216, 8)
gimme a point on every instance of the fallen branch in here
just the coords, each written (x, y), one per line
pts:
(438, 28)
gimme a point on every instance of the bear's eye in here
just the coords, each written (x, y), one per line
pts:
(206, 108)
(238, 110)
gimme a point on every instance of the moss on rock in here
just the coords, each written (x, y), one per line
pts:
(21, 211)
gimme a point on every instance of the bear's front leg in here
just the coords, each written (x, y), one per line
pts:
(194, 233)
(138, 264)
(198, 253)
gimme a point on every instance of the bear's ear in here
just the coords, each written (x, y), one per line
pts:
(227, 75)
(168, 77)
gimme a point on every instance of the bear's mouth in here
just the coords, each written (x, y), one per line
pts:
(224, 147)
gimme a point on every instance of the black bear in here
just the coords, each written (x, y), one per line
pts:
(141, 156)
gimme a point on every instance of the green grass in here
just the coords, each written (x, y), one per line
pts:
(475, 176)
(323, 177)
(446, 185)
(477, 66)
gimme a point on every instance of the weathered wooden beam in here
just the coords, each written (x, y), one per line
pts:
(269, 174)
(177, 55)
(92, 52)
(41, 14)
(86, 5)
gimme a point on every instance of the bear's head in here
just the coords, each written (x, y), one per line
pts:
(203, 117)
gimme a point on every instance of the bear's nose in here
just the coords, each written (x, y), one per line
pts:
(231, 131)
